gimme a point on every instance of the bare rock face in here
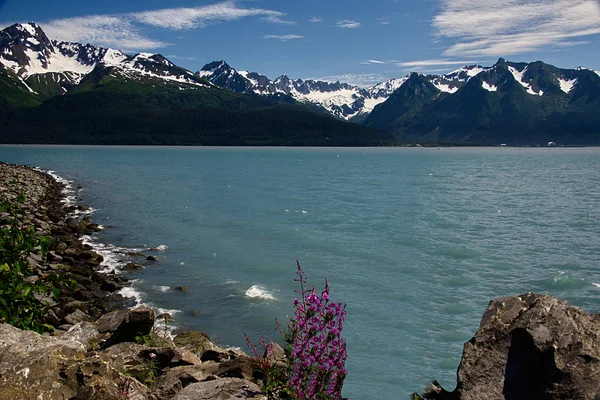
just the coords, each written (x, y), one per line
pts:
(529, 347)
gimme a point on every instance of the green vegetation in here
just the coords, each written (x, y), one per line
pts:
(23, 295)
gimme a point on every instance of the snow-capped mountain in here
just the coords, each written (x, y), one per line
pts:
(51, 67)
(342, 100)
(508, 102)
(351, 102)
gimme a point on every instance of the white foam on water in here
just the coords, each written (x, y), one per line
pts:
(258, 292)
(161, 247)
(68, 192)
(596, 284)
(170, 311)
(162, 288)
(131, 292)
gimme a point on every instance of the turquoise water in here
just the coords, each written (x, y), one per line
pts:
(414, 241)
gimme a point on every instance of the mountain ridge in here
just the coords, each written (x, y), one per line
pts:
(502, 103)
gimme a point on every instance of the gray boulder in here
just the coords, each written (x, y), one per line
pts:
(529, 347)
(221, 389)
(125, 325)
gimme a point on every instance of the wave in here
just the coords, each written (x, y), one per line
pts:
(258, 292)
(131, 292)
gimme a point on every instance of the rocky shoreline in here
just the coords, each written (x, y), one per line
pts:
(99, 347)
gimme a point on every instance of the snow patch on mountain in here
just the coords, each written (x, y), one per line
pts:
(488, 87)
(444, 87)
(567, 85)
(518, 75)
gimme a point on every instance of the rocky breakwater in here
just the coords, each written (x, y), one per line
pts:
(529, 347)
(96, 346)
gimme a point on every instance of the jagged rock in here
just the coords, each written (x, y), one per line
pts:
(529, 347)
(125, 325)
(221, 389)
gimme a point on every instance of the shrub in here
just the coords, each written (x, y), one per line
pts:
(18, 283)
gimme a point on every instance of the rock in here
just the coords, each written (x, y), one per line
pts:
(151, 258)
(125, 325)
(182, 288)
(31, 364)
(275, 354)
(529, 347)
(132, 267)
(177, 378)
(197, 342)
(82, 332)
(242, 368)
(221, 389)
(53, 257)
(76, 317)
(97, 378)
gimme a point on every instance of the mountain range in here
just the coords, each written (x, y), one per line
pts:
(61, 92)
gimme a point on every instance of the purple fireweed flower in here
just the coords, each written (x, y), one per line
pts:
(318, 351)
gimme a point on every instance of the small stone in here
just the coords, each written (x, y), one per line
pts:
(132, 267)
(182, 288)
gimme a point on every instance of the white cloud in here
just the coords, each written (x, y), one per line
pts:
(194, 17)
(360, 80)
(503, 27)
(184, 58)
(283, 37)
(427, 63)
(315, 19)
(383, 21)
(124, 31)
(369, 62)
(101, 30)
(347, 23)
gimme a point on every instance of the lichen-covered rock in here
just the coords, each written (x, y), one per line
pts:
(31, 365)
(197, 342)
(221, 389)
(529, 347)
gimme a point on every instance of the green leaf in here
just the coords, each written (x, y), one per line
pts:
(26, 291)
(56, 293)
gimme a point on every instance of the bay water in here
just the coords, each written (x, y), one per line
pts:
(415, 241)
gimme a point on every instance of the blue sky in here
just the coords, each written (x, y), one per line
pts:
(356, 41)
